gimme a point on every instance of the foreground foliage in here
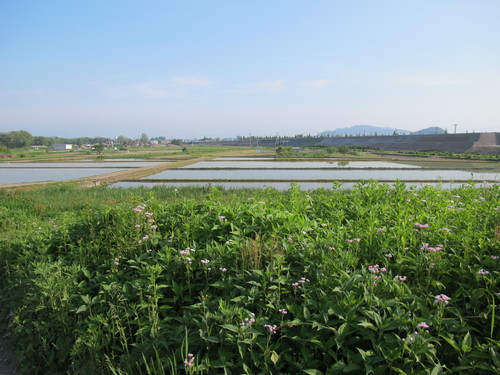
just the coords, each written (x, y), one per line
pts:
(378, 279)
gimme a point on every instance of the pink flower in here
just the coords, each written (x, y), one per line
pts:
(379, 230)
(272, 329)
(188, 362)
(400, 278)
(422, 225)
(442, 298)
(262, 202)
(423, 325)
(205, 261)
(482, 272)
(137, 226)
(389, 255)
(331, 248)
(248, 321)
(283, 311)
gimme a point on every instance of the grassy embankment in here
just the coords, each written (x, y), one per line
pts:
(201, 280)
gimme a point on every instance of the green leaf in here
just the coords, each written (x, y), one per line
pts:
(366, 324)
(467, 343)
(86, 299)
(81, 309)
(307, 314)
(274, 357)
(230, 327)
(451, 342)
(438, 284)
(437, 370)
(313, 372)
(211, 339)
(495, 357)
(351, 367)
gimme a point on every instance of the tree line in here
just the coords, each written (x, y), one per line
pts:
(22, 138)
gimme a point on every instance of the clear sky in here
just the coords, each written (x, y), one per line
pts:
(222, 68)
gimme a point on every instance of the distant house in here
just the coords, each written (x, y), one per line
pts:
(62, 147)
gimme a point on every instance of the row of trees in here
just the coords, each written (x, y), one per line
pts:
(22, 138)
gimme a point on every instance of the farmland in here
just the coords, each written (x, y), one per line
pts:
(377, 279)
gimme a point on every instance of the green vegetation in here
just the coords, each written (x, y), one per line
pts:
(432, 153)
(378, 279)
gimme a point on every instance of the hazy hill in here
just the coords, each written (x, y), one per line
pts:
(363, 130)
(431, 130)
(359, 130)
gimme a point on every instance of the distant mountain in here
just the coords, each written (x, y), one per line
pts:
(431, 130)
(358, 130)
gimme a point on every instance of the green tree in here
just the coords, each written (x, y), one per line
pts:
(344, 149)
(122, 139)
(176, 142)
(17, 138)
(4, 151)
(99, 148)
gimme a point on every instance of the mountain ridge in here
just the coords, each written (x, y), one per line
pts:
(365, 130)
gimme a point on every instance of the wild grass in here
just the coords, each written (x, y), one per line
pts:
(378, 280)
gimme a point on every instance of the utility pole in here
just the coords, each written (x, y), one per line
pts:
(455, 128)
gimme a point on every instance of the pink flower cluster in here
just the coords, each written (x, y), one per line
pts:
(482, 272)
(422, 225)
(189, 361)
(375, 270)
(423, 325)
(283, 311)
(272, 329)
(248, 321)
(442, 298)
(187, 251)
(354, 240)
(140, 208)
(205, 261)
(400, 278)
(426, 246)
(302, 280)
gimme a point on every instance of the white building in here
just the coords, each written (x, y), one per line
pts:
(62, 147)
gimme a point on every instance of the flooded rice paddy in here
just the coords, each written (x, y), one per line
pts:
(18, 172)
(232, 172)
(266, 172)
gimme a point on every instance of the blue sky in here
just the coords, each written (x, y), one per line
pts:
(222, 68)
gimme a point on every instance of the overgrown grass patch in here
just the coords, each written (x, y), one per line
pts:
(377, 279)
